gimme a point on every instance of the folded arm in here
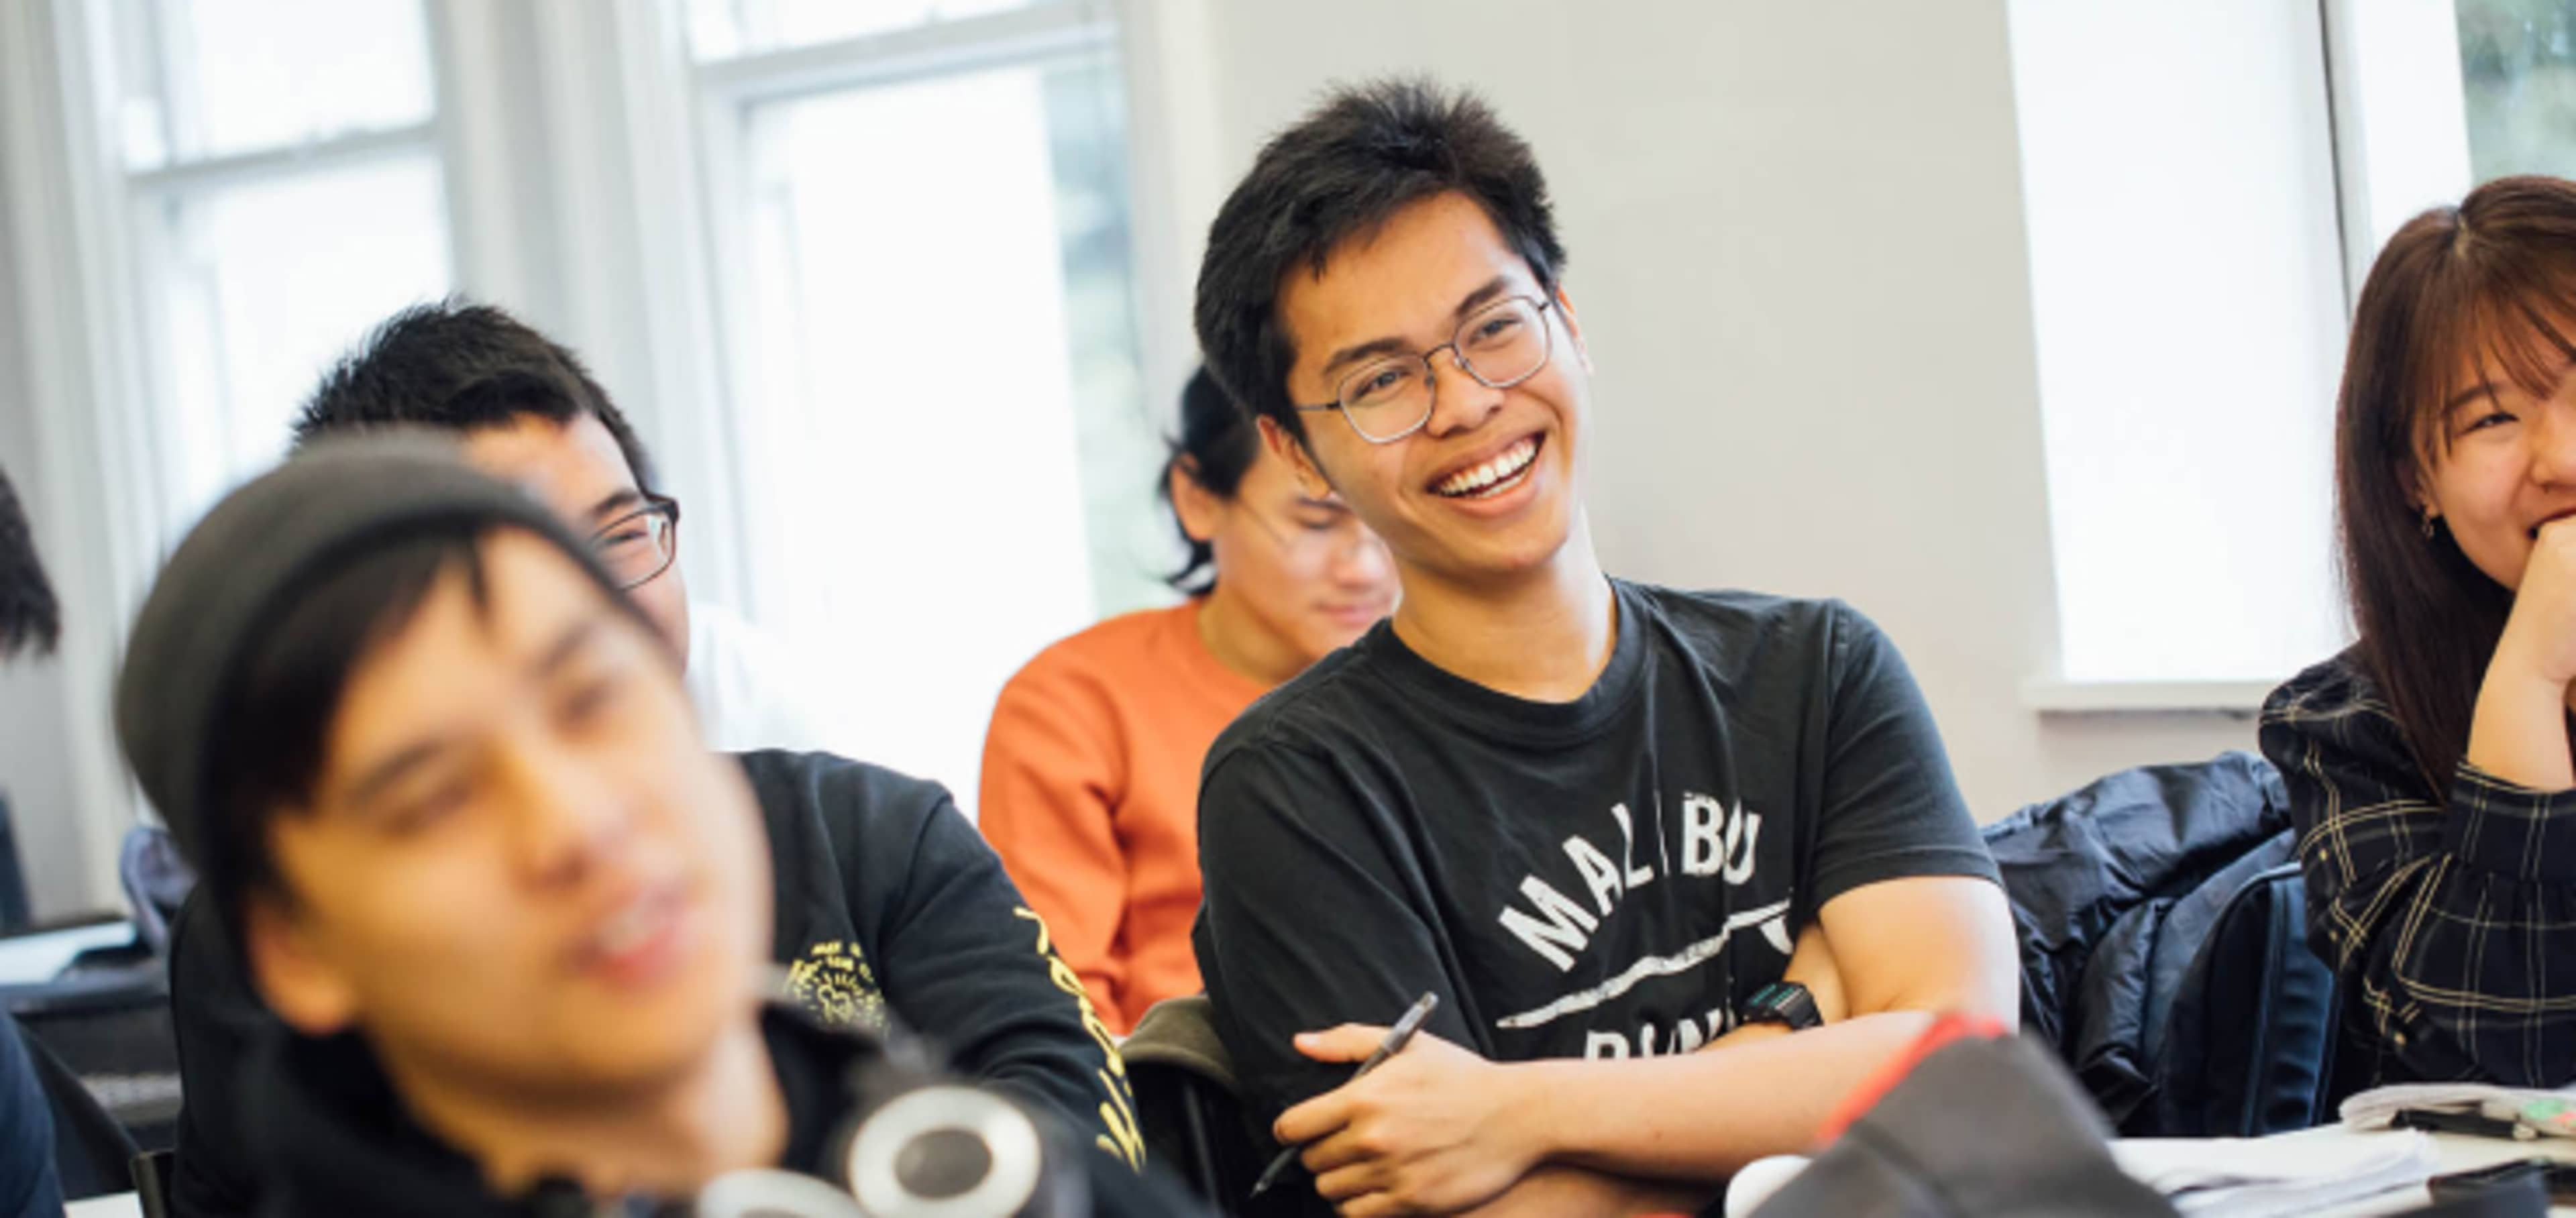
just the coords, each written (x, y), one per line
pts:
(1439, 1129)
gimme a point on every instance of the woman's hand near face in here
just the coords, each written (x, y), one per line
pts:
(2542, 631)
(2520, 731)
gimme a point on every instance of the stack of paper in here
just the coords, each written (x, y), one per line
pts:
(2297, 1173)
(2375, 1108)
(2292, 1174)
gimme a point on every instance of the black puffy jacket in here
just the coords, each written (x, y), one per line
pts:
(2163, 948)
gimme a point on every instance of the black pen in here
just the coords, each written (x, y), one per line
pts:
(1396, 1038)
(2434, 1120)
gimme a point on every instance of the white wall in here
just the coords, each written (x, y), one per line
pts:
(1797, 245)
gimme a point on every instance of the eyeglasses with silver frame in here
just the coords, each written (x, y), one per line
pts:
(1500, 345)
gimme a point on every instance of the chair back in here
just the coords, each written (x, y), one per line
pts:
(1192, 1113)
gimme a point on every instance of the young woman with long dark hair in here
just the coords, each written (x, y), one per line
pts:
(2429, 766)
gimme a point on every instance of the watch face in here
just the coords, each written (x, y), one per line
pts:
(1783, 1003)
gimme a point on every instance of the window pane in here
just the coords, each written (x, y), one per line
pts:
(2518, 69)
(722, 29)
(204, 78)
(2173, 415)
(1118, 433)
(261, 286)
(922, 368)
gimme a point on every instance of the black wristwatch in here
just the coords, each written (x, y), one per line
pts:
(1786, 1003)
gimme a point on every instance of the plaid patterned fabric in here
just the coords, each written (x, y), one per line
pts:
(2449, 918)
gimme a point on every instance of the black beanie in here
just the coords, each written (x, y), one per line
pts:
(239, 569)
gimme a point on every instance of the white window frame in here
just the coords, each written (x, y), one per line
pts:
(149, 188)
(67, 218)
(725, 91)
(573, 146)
(2399, 144)
(2064, 372)
(2401, 118)
(92, 326)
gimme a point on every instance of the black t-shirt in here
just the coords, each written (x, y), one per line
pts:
(1608, 877)
(889, 908)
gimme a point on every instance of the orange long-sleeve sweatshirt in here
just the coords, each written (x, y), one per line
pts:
(1090, 795)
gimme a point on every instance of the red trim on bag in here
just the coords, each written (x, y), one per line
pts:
(1943, 1031)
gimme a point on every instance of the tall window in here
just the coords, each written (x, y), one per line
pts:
(2187, 299)
(285, 191)
(921, 226)
(2518, 82)
(2205, 185)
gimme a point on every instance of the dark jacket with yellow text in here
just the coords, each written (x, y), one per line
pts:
(890, 911)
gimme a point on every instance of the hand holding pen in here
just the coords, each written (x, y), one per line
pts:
(1396, 1038)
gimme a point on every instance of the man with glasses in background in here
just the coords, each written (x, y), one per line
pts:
(530, 412)
(889, 905)
(1682, 868)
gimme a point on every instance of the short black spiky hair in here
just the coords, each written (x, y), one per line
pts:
(1366, 153)
(30, 618)
(459, 366)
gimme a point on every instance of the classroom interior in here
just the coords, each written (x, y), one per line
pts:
(2015, 323)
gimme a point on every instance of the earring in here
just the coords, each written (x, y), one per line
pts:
(2428, 526)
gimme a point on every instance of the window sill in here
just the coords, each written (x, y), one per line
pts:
(2235, 699)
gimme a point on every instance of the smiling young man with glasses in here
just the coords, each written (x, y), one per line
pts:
(889, 906)
(1684, 867)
